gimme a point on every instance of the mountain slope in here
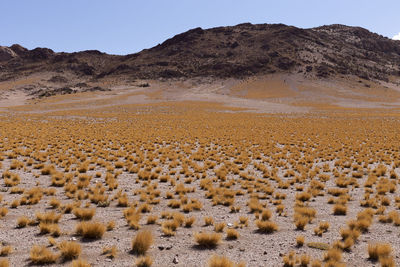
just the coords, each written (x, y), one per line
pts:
(238, 51)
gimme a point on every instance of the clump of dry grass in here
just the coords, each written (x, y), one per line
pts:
(22, 222)
(5, 250)
(300, 240)
(49, 228)
(91, 230)
(50, 217)
(42, 255)
(54, 203)
(69, 250)
(110, 225)
(189, 222)
(208, 221)
(219, 227)
(220, 261)
(152, 219)
(378, 251)
(142, 242)
(339, 209)
(266, 227)
(84, 214)
(144, 261)
(4, 262)
(80, 263)
(110, 252)
(207, 240)
(232, 234)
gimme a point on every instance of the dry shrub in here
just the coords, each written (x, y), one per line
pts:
(144, 261)
(300, 240)
(219, 227)
(379, 250)
(90, 230)
(232, 234)
(22, 222)
(50, 217)
(208, 221)
(110, 252)
(69, 250)
(84, 214)
(189, 222)
(5, 250)
(42, 255)
(207, 240)
(142, 242)
(4, 262)
(152, 219)
(49, 228)
(3, 212)
(266, 227)
(220, 261)
(339, 209)
(80, 263)
(110, 225)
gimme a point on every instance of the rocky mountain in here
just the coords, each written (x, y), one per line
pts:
(237, 51)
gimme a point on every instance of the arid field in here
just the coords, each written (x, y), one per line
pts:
(132, 177)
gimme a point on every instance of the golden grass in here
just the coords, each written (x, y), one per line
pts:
(22, 221)
(42, 255)
(144, 261)
(69, 250)
(142, 242)
(207, 240)
(254, 172)
(232, 234)
(378, 251)
(84, 214)
(300, 240)
(4, 263)
(91, 230)
(80, 263)
(266, 227)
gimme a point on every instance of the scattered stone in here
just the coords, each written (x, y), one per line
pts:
(175, 260)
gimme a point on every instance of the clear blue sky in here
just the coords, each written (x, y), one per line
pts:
(122, 26)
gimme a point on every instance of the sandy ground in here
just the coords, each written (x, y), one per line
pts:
(266, 94)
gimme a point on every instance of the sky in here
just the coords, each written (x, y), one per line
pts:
(128, 26)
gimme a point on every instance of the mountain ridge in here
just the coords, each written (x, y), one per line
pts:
(224, 52)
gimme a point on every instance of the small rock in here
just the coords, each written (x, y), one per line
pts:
(168, 248)
(230, 224)
(108, 259)
(230, 246)
(242, 249)
(265, 253)
(160, 247)
(175, 260)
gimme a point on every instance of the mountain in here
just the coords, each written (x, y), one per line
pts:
(237, 51)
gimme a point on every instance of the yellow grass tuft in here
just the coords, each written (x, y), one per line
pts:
(144, 261)
(207, 240)
(91, 230)
(142, 242)
(42, 255)
(70, 250)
